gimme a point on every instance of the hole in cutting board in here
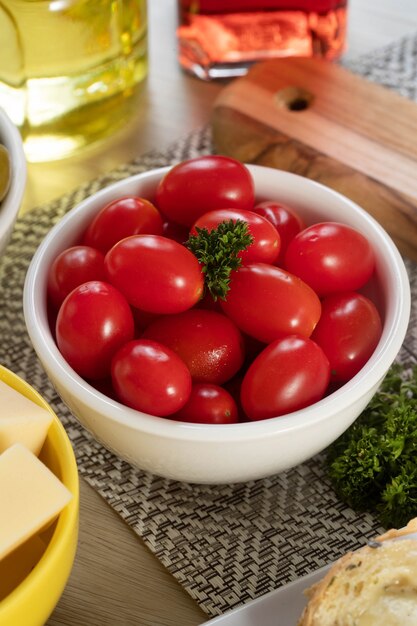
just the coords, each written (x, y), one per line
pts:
(294, 98)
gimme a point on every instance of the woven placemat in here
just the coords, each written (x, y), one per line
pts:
(225, 544)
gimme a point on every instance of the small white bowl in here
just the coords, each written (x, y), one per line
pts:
(236, 452)
(10, 205)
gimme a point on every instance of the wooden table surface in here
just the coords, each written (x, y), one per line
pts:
(116, 581)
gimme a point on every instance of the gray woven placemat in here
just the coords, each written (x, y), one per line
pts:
(225, 544)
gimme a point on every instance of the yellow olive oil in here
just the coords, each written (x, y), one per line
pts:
(69, 68)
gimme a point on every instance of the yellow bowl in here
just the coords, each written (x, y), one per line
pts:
(34, 599)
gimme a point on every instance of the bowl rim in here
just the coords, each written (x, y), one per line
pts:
(68, 518)
(9, 207)
(374, 370)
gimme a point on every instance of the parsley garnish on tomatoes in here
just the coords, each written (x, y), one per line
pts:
(217, 251)
(373, 465)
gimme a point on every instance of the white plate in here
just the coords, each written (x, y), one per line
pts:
(281, 607)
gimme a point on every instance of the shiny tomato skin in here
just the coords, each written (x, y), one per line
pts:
(208, 404)
(71, 268)
(93, 322)
(266, 240)
(348, 333)
(289, 374)
(203, 184)
(150, 377)
(208, 342)
(286, 221)
(331, 257)
(266, 302)
(156, 274)
(126, 216)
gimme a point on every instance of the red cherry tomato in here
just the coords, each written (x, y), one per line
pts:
(289, 374)
(93, 322)
(208, 404)
(208, 342)
(331, 257)
(199, 185)
(286, 221)
(150, 377)
(348, 332)
(71, 268)
(122, 218)
(155, 274)
(267, 302)
(266, 241)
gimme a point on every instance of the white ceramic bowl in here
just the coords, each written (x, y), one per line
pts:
(10, 205)
(236, 452)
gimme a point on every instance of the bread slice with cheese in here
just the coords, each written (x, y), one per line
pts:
(373, 586)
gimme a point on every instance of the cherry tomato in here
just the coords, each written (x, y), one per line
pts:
(93, 322)
(286, 221)
(121, 218)
(331, 257)
(208, 342)
(266, 241)
(267, 302)
(208, 404)
(289, 374)
(71, 268)
(199, 185)
(150, 377)
(348, 332)
(155, 274)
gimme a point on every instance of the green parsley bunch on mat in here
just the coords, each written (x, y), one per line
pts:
(373, 465)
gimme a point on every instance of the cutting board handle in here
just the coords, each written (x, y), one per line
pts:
(316, 119)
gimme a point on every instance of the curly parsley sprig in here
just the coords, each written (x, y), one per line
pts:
(373, 465)
(218, 253)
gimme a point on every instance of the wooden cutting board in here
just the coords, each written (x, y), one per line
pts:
(319, 120)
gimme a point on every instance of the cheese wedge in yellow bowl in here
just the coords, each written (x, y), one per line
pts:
(22, 420)
(35, 570)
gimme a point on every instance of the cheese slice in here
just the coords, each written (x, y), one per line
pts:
(21, 420)
(31, 497)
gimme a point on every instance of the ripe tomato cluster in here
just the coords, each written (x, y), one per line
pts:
(203, 305)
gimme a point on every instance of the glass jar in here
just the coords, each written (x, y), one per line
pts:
(68, 69)
(222, 38)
